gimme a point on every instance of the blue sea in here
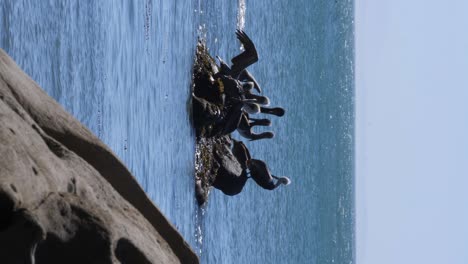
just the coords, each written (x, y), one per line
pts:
(123, 68)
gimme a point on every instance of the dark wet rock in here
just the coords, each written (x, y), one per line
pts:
(64, 196)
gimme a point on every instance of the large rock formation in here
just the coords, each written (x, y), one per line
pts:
(64, 196)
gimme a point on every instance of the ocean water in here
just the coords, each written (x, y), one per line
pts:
(123, 68)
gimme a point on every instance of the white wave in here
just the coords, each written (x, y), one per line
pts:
(241, 15)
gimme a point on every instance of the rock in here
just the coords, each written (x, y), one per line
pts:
(64, 196)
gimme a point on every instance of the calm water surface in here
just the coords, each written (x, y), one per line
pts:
(124, 70)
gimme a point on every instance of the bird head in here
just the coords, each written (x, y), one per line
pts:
(278, 111)
(284, 180)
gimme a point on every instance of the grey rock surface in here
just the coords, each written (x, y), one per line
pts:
(64, 196)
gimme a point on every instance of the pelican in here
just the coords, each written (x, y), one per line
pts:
(234, 115)
(224, 69)
(261, 100)
(277, 111)
(247, 86)
(241, 153)
(247, 92)
(248, 57)
(246, 76)
(240, 62)
(245, 129)
(230, 184)
(262, 176)
(209, 111)
(231, 87)
(259, 122)
(234, 90)
(252, 107)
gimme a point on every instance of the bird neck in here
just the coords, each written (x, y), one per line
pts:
(260, 122)
(259, 136)
(278, 183)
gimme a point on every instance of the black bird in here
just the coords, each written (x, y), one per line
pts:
(207, 112)
(259, 122)
(261, 175)
(232, 119)
(231, 184)
(246, 76)
(245, 129)
(234, 115)
(277, 111)
(240, 62)
(241, 153)
(259, 99)
(233, 91)
(231, 88)
(248, 57)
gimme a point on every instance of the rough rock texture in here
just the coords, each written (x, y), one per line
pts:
(64, 196)
(213, 151)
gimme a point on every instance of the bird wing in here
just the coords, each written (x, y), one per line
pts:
(246, 75)
(248, 57)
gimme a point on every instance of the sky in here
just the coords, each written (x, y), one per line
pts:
(411, 131)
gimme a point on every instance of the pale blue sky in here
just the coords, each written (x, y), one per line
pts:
(412, 131)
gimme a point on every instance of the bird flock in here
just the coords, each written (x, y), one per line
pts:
(239, 101)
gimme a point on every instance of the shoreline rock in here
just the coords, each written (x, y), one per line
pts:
(62, 190)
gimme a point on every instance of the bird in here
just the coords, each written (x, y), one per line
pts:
(261, 175)
(259, 122)
(259, 99)
(209, 112)
(230, 184)
(240, 151)
(240, 62)
(234, 115)
(247, 86)
(223, 68)
(231, 88)
(232, 119)
(245, 129)
(277, 111)
(248, 57)
(251, 107)
(246, 76)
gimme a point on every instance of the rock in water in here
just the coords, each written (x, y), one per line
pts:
(64, 196)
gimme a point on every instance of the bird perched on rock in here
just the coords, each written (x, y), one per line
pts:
(240, 62)
(245, 129)
(261, 175)
(277, 111)
(229, 183)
